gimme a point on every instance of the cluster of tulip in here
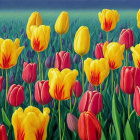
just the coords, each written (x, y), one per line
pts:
(62, 84)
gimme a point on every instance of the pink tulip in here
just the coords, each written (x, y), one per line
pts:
(3, 133)
(99, 50)
(77, 88)
(91, 101)
(62, 60)
(127, 38)
(1, 82)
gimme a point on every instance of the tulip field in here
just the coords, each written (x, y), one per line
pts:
(70, 75)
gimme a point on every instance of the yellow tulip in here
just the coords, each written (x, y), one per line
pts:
(96, 70)
(114, 54)
(40, 37)
(138, 19)
(62, 23)
(108, 19)
(82, 41)
(61, 83)
(30, 124)
(136, 55)
(9, 53)
(34, 19)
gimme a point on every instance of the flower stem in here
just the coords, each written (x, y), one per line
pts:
(30, 94)
(6, 89)
(107, 36)
(112, 81)
(2, 72)
(128, 105)
(101, 88)
(39, 67)
(74, 104)
(126, 58)
(59, 119)
(82, 73)
(60, 42)
(70, 105)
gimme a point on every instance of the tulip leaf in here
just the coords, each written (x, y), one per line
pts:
(103, 136)
(5, 118)
(116, 118)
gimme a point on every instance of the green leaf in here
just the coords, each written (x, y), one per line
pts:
(5, 118)
(116, 118)
(103, 136)
(128, 132)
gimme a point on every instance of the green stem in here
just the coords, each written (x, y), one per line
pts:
(96, 88)
(128, 105)
(6, 89)
(112, 80)
(74, 104)
(2, 72)
(70, 105)
(60, 42)
(126, 58)
(59, 120)
(107, 36)
(30, 95)
(82, 73)
(101, 88)
(39, 67)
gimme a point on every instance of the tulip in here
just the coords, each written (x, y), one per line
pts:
(138, 18)
(34, 19)
(72, 122)
(42, 94)
(136, 100)
(113, 52)
(76, 58)
(62, 60)
(77, 88)
(82, 41)
(60, 83)
(117, 89)
(99, 50)
(49, 62)
(62, 23)
(15, 96)
(127, 38)
(29, 73)
(40, 37)
(9, 53)
(108, 19)
(96, 70)
(90, 87)
(91, 101)
(30, 123)
(3, 133)
(1, 82)
(136, 55)
(89, 127)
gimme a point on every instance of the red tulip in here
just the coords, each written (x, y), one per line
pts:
(77, 88)
(127, 38)
(99, 50)
(72, 122)
(127, 79)
(62, 60)
(89, 127)
(136, 100)
(3, 134)
(42, 94)
(15, 96)
(1, 82)
(91, 101)
(29, 74)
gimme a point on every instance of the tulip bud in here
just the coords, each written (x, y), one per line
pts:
(29, 73)
(48, 62)
(1, 82)
(77, 88)
(76, 59)
(3, 133)
(89, 127)
(127, 38)
(72, 122)
(90, 87)
(136, 100)
(62, 23)
(99, 50)
(62, 60)
(15, 96)
(42, 94)
(91, 101)
(117, 89)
